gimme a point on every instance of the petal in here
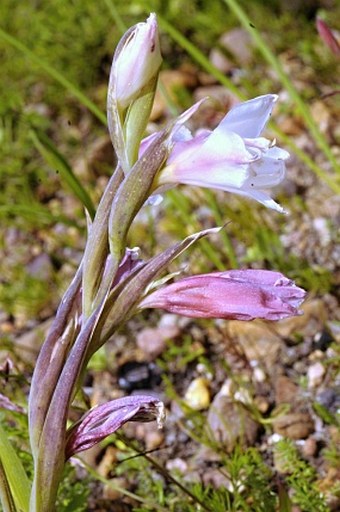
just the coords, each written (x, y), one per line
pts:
(103, 420)
(266, 173)
(224, 146)
(186, 150)
(261, 197)
(185, 116)
(249, 118)
(146, 143)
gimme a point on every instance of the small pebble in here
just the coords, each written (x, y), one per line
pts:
(136, 375)
(261, 404)
(177, 464)
(310, 447)
(259, 374)
(315, 374)
(197, 395)
(297, 425)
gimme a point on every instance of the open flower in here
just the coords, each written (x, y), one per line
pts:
(235, 294)
(233, 157)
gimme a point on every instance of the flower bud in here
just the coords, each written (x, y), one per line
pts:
(235, 294)
(105, 419)
(132, 86)
(137, 62)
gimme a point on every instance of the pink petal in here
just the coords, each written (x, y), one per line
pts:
(103, 420)
(241, 295)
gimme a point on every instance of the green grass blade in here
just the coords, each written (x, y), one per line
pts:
(211, 201)
(6, 499)
(55, 74)
(275, 64)
(116, 16)
(34, 213)
(56, 160)
(15, 474)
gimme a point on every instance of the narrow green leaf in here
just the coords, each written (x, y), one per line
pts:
(56, 160)
(6, 498)
(15, 474)
(198, 56)
(34, 212)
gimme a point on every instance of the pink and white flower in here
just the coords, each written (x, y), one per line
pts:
(233, 157)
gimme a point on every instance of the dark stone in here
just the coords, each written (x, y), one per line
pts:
(134, 375)
(322, 340)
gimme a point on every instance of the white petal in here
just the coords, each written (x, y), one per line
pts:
(218, 176)
(263, 198)
(268, 173)
(277, 153)
(250, 117)
(222, 146)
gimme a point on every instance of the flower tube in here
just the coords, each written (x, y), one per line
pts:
(235, 294)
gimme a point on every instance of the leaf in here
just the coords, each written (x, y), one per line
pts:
(57, 161)
(14, 473)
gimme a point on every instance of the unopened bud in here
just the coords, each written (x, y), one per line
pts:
(138, 61)
(132, 86)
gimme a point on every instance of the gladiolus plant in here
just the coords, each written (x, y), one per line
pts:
(114, 282)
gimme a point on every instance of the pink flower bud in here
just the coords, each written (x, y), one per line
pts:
(328, 36)
(235, 294)
(137, 62)
(105, 419)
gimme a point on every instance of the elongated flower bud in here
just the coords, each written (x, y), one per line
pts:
(328, 36)
(137, 63)
(132, 86)
(103, 420)
(237, 294)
